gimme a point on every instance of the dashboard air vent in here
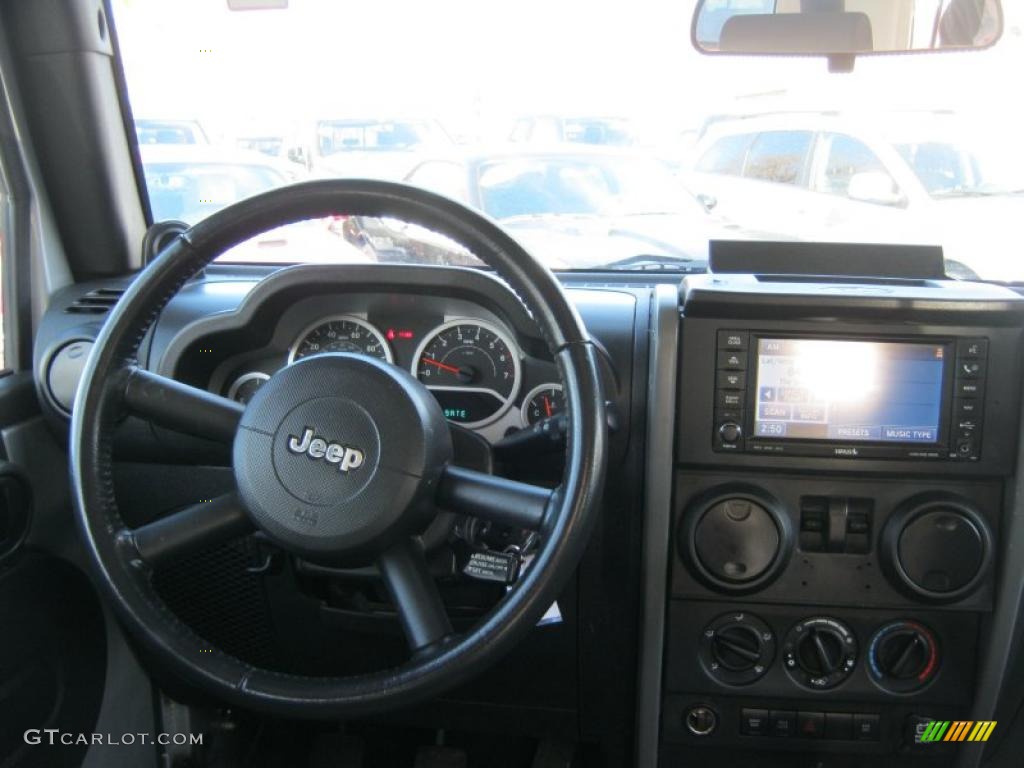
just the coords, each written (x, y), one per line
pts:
(95, 302)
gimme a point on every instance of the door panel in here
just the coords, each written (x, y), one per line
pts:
(53, 648)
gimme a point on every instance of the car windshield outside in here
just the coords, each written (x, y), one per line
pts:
(619, 148)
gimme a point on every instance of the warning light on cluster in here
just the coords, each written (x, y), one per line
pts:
(392, 334)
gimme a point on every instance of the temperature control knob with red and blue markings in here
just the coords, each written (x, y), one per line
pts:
(903, 656)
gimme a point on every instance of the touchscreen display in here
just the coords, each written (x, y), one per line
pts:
(813, 389)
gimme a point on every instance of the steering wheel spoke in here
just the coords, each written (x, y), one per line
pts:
(494, 498)
(183, 408)
(415, 594)
(188, 530)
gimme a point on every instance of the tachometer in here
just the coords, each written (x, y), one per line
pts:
(472, 367)
(343, 333)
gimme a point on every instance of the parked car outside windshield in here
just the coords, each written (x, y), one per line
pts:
(188, 183)
(579, 207)
(899, 178)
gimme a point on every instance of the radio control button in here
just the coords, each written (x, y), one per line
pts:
(730, 398)
(731, 380)
(977, 348)
(970, 369)
(731, 361)
(733, 340)
(968, 408)
(730, 432)
(968, 387)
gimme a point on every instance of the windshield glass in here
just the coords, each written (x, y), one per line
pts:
(567, 186)
(191, 191)
(983, 163)
(597, 135)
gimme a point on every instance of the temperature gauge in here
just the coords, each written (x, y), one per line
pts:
(542, 402)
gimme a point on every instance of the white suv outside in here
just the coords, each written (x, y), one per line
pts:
(899, 178)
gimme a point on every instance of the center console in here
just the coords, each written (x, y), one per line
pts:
(842, 454)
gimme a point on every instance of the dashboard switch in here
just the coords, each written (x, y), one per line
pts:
(838, 725)
(810, 725)
(754, 722)
(866, 727)
(782, 723)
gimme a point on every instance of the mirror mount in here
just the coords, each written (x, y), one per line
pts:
(841, 63)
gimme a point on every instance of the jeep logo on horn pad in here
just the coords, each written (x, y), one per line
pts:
(316, 448)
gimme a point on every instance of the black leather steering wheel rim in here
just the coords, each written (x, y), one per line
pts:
(112, 384)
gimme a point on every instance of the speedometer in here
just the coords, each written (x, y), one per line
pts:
(343, 333)
(472, 368)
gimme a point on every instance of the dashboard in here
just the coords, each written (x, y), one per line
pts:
(807, 546)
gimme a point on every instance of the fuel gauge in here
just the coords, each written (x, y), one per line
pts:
(542, 402)
(245, 386)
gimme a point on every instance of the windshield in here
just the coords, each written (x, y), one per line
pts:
(981, 164)
(568, 186)
(191, 191)
(596, 134)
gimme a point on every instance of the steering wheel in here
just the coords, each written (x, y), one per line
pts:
(338, 459)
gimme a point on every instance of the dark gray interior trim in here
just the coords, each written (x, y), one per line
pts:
(661, 406)
(42, 268)
(1004, 629)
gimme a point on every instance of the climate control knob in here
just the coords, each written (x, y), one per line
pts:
(737, 648)
(903, 656)
(820, 652)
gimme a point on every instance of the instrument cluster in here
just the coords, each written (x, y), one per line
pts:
(472, 365)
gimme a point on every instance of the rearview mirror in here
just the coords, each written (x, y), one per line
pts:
(874, 187)
(844, 27)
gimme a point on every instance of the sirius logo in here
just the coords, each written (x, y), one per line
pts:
(317, 448)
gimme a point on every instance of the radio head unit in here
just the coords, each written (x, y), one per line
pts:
(850, 397)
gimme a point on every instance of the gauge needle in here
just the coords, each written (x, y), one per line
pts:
(442, 366)
(547, 406)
